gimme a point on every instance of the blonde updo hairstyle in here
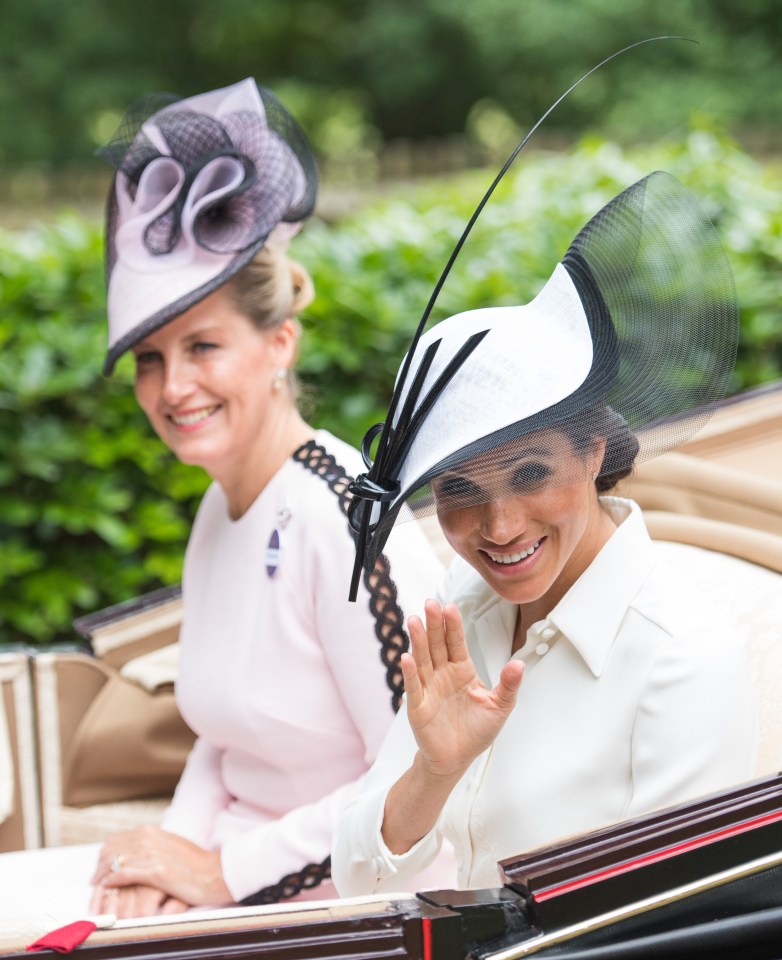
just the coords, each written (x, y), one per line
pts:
(271, 289)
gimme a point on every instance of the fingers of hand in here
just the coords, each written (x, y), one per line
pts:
(124, 902)
(127, 857)
(172, 905)
(436, 633)
(147, 901)
(419, 647)
(101, 871)
(113, 855)
(454, 633)
(105, 900)
(109, 866)
(126, 905)
(510, 680)
(136, 900)
(96, 901)
(413, 688)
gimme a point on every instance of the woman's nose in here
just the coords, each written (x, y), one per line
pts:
(177, 382)
(503, 521)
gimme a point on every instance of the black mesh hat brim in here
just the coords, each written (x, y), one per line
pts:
(658, 293)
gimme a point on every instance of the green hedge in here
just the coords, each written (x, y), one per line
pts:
(93, 509)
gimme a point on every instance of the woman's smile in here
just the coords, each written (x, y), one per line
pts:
(206, 382)
(192, 419)
(521, 558)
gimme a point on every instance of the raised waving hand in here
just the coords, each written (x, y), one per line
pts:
(454, 718)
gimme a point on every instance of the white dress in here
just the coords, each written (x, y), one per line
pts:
(633, 698)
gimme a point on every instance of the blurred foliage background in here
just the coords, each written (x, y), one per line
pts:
(371, 80)
(411, 106)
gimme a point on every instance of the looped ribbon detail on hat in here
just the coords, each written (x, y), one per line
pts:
(220, 186)
(373, 492)
(366, 489)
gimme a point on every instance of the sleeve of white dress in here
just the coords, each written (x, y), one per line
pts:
(361, 862)
(355, 639)
(199, 796)
(696, 727)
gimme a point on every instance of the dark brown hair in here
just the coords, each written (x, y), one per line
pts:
(602, 422)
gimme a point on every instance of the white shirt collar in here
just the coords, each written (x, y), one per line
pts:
(591, 612)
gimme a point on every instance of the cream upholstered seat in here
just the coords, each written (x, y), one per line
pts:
(749, 599)
(715, 506)
(111, 743)
(19, 800)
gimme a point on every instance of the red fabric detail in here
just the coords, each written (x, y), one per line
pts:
(426, 930)
(64, 939)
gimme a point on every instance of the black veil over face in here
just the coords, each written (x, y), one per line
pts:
(640, 316)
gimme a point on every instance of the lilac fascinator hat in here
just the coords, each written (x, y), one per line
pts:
(201, 185)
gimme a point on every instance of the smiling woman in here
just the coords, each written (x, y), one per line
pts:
(203, 382)
(288, 687)
(514, 424)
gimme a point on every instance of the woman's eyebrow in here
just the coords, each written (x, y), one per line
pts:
(207, 330)
(511, 461)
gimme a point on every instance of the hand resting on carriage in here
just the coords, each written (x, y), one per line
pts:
(148, 870)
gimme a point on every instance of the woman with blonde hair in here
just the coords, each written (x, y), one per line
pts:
(289, 688)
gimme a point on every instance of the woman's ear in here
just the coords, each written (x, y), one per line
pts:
(284, 342)
(597, 455)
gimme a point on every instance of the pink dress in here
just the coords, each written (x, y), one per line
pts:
(289, 687)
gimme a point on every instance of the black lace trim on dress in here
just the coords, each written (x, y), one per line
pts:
(383, 596)
(389, 630)
(310, 877)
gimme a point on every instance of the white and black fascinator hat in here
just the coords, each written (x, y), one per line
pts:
(201, 185)
(637, 326)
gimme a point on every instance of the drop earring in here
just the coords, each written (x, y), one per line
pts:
(280, 377)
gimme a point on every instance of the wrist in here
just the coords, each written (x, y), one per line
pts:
(215, 889)
(434, 777)
(414, 804)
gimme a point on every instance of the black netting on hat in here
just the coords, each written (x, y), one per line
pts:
(280, 174)
(284, 125)
(663, 273)
(127, 134)
(635, 328)
(130, 146)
